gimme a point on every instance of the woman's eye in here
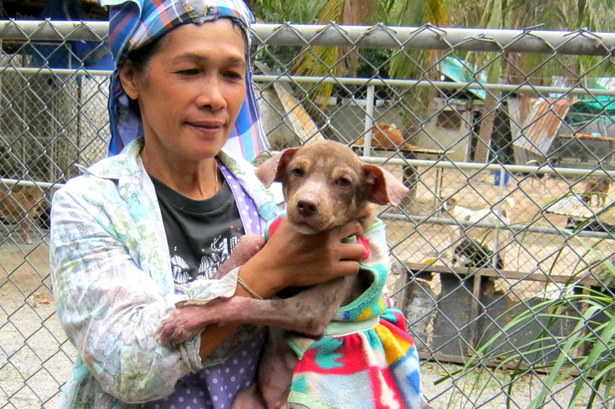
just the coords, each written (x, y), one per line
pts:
(343, 182)
(297, 172)
(190, 71)
(234, 75)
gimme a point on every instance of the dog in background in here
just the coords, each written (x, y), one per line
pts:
(385, 136)
(22, 206)
(485, 215)
(471, 254)
(539, 173)
(536, 175)
(596, 190)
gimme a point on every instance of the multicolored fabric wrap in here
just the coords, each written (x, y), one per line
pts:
(366, 358)
(135, 23)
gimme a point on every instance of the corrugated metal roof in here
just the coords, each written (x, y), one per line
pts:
(534, 122)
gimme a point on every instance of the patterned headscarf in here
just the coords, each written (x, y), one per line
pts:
(134, 23)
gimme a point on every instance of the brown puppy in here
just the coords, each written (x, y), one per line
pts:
(22, 206)
(325, 185)
(598, 188)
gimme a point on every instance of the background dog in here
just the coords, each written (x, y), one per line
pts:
(485, 215)
(385, 135)
(596, 191)
(22, 206)
(471, 254)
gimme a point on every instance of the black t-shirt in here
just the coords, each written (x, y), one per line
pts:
(201, 233)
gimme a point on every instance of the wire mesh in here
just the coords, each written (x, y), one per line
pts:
(505, 139)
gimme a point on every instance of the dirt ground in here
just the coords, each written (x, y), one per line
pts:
(35, 356)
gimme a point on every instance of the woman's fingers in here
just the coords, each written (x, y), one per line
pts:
(348, 267)
(352, 228)
(351, 251)
(293, 258)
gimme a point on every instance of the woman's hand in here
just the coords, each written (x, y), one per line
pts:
(291, 258)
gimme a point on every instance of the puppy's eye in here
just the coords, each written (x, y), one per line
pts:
(297, 172)
(343, 181)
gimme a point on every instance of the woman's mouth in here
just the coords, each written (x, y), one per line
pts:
(208, 127)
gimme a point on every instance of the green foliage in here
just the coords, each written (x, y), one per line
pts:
(282, 11)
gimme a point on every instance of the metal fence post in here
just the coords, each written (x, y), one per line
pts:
(369, 120)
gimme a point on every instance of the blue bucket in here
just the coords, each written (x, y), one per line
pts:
(497, 178)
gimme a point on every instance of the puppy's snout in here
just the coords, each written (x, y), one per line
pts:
(307, 208)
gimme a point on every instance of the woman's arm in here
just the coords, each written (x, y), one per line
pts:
(289, 259)
(110, 308)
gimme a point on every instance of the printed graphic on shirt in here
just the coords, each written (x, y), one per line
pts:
(213, 253)
(181, 270)
(201, 234)
(219, 250)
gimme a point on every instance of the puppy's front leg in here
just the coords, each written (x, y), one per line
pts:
(184, 323)
(308, 312)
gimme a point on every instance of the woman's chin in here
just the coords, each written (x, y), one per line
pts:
(201, 153)
(203, 148)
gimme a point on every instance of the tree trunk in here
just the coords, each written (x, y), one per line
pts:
(486, 129)
(355, 12)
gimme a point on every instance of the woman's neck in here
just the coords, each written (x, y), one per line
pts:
(197, 180)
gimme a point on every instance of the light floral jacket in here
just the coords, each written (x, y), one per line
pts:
(112, 281)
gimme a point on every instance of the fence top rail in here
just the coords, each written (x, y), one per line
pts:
(580, 42)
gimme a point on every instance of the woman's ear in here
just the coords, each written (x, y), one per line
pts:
(129, 80)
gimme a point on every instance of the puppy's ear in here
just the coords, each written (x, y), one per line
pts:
(383, 187)
(272, 170)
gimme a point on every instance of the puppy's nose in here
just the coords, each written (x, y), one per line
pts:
(306, 208)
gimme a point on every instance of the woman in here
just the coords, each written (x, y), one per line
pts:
(146, 228)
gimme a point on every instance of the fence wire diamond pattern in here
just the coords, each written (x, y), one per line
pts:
(501, 253)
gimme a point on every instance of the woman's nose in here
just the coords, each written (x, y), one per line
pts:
(211, 94)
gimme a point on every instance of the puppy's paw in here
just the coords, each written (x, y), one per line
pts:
(181, 325)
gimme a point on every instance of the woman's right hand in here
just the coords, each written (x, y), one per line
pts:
(291, 258)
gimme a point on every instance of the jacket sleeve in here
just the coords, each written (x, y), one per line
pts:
(379, 249)
(109, 308)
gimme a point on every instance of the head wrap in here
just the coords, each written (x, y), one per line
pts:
(134, 23)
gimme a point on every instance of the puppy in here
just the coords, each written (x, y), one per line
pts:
(22, 206)
(469, 253)
(325, 185)
(485, 215)
(596, 191)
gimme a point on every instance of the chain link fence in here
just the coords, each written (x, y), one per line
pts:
(504, 137)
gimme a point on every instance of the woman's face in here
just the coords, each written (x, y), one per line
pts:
(191, 90)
